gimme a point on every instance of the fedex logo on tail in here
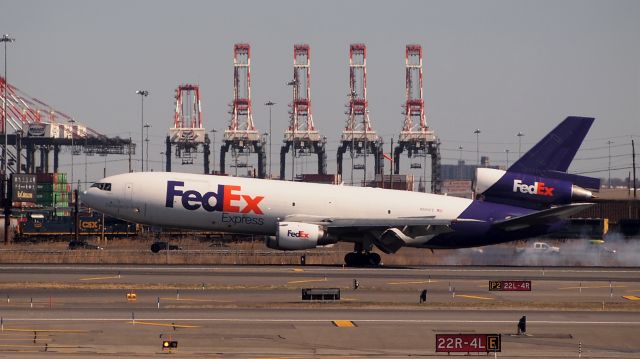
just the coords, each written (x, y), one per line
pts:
(228, 198)
(537, 188)
(298, 234)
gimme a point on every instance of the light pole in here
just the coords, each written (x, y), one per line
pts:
(72, 121)
(5, 39)
(520, 134)
(214, 148)
(477, 132)
(294, 86)
(7, 210)
(609, 142)
(162, 161)
(507, 152)
(146, 127)
(270, 104)
(143, 94)
(460, 168)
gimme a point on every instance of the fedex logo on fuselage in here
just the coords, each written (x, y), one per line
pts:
(227, 199)
(299, 234)
(537, 188)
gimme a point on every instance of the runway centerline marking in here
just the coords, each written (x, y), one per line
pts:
(593, 287)
(474, 297)
(413, 282)
(195, 300)
(306, 281)
(99, 278)
(171, 325)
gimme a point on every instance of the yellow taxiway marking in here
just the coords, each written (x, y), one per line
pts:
(348, 299)
(343, 323)
(474, 297)
(631, 297)
(45, 330)
(594, 287)
(298, 270)
(306, 281)
(171, 325)
(413, 282)
(99, 278)
(196, 300)
(20, 346)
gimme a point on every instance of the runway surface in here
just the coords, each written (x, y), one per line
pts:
(257, 311)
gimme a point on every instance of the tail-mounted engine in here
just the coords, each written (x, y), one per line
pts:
(298, 235)
(526, 190)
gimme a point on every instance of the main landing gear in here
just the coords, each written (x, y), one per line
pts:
(361, 258)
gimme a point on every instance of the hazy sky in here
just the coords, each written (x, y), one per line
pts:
(500, 66)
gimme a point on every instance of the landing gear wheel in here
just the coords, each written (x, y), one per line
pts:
(374, 259)
(351, 259)
(359, 259)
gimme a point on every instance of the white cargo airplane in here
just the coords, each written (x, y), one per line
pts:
(531, 198)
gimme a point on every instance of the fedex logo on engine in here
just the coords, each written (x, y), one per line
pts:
(537, 188)
(227, 199)
(299, 234)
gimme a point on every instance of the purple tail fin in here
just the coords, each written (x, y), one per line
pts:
(556, 150)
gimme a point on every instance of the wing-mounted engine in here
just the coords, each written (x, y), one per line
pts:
(532, 191)
(299, 235)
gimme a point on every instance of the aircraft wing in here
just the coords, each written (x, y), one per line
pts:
(361, 223)
(546, 216)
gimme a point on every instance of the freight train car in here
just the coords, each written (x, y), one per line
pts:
(46, 226)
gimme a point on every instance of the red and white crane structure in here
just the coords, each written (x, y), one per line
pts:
(32, 125)
(187, 133)
(241, 136)
(358, 134)
(416, 137)
(301, 135)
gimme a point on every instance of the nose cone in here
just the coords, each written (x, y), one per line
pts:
(91, 198)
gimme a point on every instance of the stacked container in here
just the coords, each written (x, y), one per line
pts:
(52, 190)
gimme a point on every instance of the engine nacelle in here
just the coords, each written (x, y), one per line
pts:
(525, 189)
(298, 235)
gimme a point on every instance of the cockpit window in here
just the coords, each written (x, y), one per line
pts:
(102, 186)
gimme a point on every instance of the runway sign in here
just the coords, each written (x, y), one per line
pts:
(510, 285)
(468, 343)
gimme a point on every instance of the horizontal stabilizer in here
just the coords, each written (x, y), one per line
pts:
(547, 216)
(582, 181)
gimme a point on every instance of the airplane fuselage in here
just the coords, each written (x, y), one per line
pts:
(256, 206)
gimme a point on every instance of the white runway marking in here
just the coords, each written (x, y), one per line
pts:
(461, 269)
(290, 320)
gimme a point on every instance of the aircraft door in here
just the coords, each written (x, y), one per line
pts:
(128, 194)
(131, 204)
